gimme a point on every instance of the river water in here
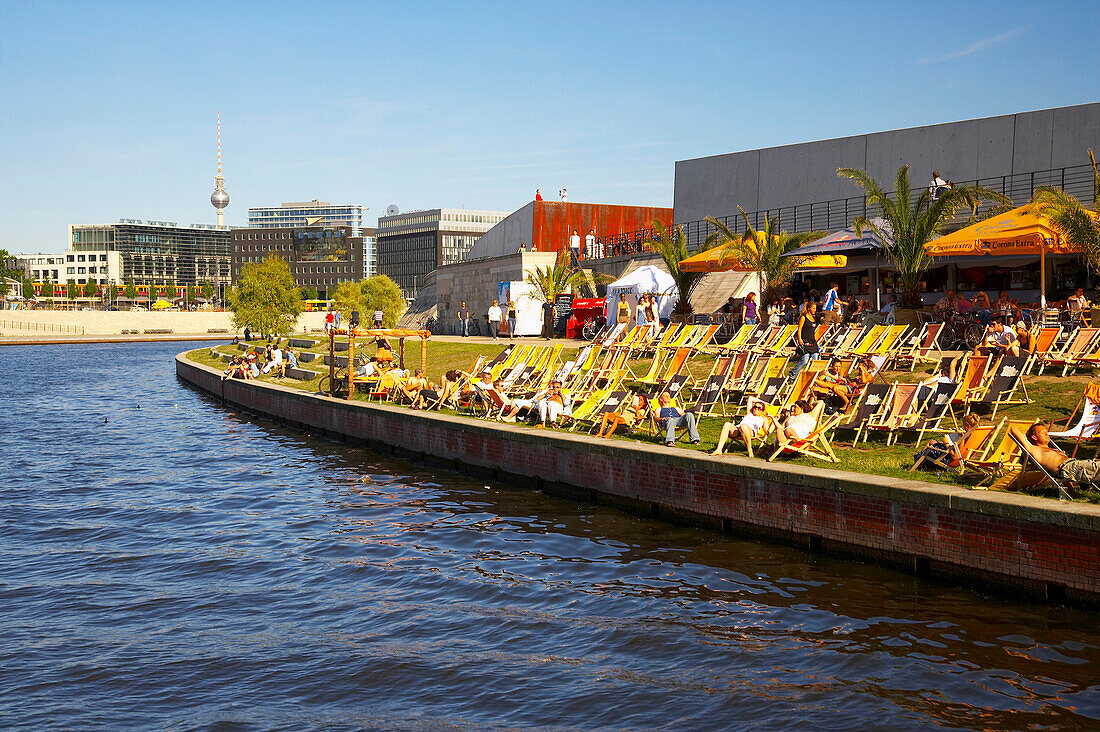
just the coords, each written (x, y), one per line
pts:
(167, 562)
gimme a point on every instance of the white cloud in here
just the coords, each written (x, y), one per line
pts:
(976, 46)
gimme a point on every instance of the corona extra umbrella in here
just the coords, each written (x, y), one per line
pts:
(718, 260)
(1019, 232)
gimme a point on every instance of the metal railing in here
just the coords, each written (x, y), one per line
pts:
(62, 328)
(839, 213)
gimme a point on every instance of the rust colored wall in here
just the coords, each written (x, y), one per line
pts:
(555, 221)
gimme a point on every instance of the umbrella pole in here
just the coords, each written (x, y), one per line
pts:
(1042, 278)
(878, 286)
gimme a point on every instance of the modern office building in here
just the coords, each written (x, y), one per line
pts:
(412, 244)
(156, 252)
(370, 252)
(320, 257)
(41, 267)
(308, 213)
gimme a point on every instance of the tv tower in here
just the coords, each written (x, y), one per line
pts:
(219, 198)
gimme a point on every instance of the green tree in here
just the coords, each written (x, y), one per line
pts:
(192, 292)
(91, 289)
(72, 289)
(7, 271)
(912, 222)
(1079, 226)
(208, 290)
(28, 288)
(169, 289)
(562, 278)
(130, 290)
(376, 293)
(762, 251)
(311, 294)
(265, 298)
(112, 292)
(672, 246)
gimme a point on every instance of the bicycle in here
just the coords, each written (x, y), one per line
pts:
(475, 326)
(340, 387)
(430, 325)
(962, 331)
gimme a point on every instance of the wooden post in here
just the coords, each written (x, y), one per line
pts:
(331, 361)
(401, 350)
(351, 361)
(424, 354)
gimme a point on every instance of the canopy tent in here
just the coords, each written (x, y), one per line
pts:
(161, 305)
(844, 243)
(1021, 231)
(649, 279)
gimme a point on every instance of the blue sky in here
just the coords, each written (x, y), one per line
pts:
(109, 108)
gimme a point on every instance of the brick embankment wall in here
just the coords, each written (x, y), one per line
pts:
(1039, 546)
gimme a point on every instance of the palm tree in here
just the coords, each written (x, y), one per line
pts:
(913, 222)
(549, 282)
(672, 246)
(762, 251)
(1079, 226)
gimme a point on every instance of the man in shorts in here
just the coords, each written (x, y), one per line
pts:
(1036, 442)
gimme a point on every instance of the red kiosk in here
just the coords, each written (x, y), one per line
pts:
(585, 310)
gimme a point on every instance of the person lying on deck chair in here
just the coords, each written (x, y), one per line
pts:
(629, 414)
(938, 453)
(749, 426)
(1036, 441)
(670, 417)
(831, 382)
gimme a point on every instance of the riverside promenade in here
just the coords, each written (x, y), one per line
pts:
(1023, 544)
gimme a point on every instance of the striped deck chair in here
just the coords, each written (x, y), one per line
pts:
(738, 371)
(613, 335)
(1006, 378)
(975, 446)
(764, 369)
(676, 363)
(767, 336)
(902, 410)
(1087, 428)
(972, 382)
(871, 402)
(1079, 346)
(1042, 341)
(926, 344)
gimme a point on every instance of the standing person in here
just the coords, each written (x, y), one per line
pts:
(938, 185)
(464, 319)
(563, 195)
(651, 314)
(355, 318)
(640, 311)
(575, 245)
(548, 320)
(511, 319)
(378, 319)
(338, 316)
(494, 316)
(805, 338)
(749, 315)
(831, 307)
(590, 245)
(622, 310)
(330, 321)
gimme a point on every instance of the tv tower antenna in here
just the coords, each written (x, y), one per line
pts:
(219, 198)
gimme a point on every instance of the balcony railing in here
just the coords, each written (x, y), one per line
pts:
(837, 214)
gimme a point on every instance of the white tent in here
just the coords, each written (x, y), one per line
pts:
(648, 279)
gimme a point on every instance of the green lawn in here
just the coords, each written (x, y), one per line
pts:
(1053, 398)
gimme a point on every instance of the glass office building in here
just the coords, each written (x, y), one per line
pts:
(308, 213)
(157, 252)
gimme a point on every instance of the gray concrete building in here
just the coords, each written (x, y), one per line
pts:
(1012, 150)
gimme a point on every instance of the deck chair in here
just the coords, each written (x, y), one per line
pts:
(975, 446)
(926, 348)
(891, 342)
(1087, 428)
(815, 445)
(502, 356)
(871, 402)
(804, 382)
(1005, 456)
(738, 372)
(1078, 347)
(867, 342)
(1043, 340)
(902, 410)
(580, 410)
(937, 407)
(1063, 491)
(709, 395)
(772, 388)
(972, 382)
(1007, 377)
(743, 334)
(613, 335)
(610, 404)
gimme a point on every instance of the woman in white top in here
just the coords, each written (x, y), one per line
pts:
(749, 426)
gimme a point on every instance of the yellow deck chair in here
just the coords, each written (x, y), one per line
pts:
(890, 341)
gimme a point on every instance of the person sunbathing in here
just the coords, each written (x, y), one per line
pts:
(430, 396)
(1036, 442)
(550, 403)
(938, 454)
(630, 414)
(830, 381)
(749, 426)
(413, 386)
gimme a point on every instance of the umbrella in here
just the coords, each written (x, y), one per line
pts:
(161, 304)
(1021, 231)
(849, 242)
(714, 260)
